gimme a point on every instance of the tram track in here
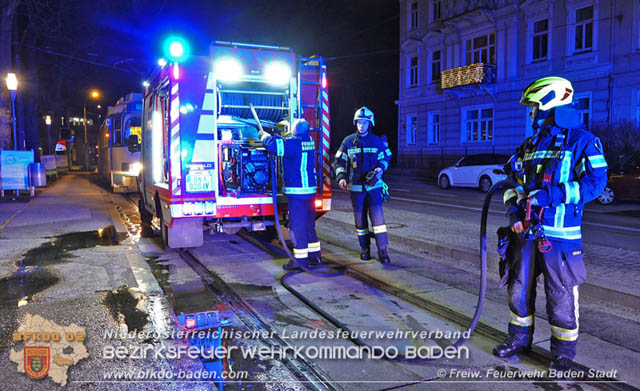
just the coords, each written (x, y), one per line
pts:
(303, 369)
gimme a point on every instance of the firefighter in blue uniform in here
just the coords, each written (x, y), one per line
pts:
(298, 160)
(559, 169)
(359, 164)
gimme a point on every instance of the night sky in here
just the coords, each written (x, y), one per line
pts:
(360, 39)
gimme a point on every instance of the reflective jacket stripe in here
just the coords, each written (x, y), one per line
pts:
(567, 233)
(300, 190)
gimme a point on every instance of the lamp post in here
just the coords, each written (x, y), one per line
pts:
(47, 120)
(94, 94)
(12, 86)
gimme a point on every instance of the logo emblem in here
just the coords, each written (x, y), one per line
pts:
(36, 361)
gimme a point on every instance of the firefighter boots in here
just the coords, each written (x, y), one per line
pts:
(314, 260)
(512, 345)
(365, 254)
(383, 256)
(290, 266)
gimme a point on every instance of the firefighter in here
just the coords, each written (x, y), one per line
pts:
(359, 164)
(560, 168)
(298, 156)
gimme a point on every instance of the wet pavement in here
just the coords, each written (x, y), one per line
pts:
(77, 255)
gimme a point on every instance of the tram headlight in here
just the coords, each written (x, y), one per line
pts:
(277, 73)
(135, 168)
(228, 69)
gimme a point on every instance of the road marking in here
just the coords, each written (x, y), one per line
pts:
(443, 204)
(442, 194)
(612, 226)
(7, 221)
(405, 190)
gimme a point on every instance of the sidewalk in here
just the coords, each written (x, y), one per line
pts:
(62, 259)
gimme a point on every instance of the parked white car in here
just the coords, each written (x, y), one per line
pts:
(480, 171)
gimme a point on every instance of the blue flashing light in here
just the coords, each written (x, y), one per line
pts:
(162, 62)
(176, 49)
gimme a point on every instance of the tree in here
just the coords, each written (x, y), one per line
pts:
(8, 9)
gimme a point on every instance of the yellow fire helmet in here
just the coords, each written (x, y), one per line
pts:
(548, 92)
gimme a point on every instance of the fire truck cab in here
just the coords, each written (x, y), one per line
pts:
(204, 167)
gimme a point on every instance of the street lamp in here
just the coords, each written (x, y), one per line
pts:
(47, 121)
(12, 86)
(94, 94)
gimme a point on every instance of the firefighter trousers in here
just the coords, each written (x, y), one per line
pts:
(369, 202)
(563, 271)
(302, 224)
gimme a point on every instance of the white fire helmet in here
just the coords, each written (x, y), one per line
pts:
(364, 113)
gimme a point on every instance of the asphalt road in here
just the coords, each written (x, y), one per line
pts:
(616, 225)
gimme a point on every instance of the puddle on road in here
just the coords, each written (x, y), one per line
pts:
(57, 249)
(123, 308)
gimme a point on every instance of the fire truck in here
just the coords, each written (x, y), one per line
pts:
(204, 167)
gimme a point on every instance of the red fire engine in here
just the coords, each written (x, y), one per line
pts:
(204, 167)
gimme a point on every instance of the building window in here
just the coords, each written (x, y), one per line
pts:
(435, 66)
(584, 29)
(436, 10)
(582, 103)
(413, 16)
(540, 39)
(412, 128)
(412, 77)
(478, 124)
(433, 129)
(482, 49)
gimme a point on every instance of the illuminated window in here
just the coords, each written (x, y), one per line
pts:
(478, 124)
(481, 49)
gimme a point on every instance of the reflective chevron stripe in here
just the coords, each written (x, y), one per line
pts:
(378, 229)
(526, 321)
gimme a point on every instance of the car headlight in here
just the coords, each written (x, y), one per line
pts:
(228, 69)
(277, 73)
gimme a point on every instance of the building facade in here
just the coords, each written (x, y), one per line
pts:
(464, 65)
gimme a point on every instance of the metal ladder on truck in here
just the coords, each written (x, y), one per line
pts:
(314, 97)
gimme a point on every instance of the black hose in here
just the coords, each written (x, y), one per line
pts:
(337, 323)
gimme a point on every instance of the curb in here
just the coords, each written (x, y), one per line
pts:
(591, 290)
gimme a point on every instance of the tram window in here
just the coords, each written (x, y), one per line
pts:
(117, 131)
(132, 127)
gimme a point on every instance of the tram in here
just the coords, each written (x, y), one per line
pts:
(118, 165)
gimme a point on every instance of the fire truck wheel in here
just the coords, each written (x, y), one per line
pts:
(232, 231)
(145, 215)
(164, 233)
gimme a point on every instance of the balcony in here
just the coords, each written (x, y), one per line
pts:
(468, 75)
